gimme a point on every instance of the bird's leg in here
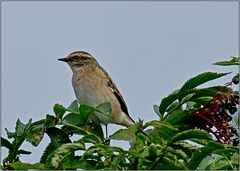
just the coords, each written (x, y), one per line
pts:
(106, 131)
(107, 141)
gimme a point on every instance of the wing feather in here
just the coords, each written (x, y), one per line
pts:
(112, 86)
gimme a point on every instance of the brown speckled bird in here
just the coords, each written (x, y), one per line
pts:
(93, 85)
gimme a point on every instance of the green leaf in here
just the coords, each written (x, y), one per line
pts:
(233, 61)
(74, 108)
(47, 151)
(56, 159)
(227, 152)
(169, 164)
(176, 105)
(156, 110)
(20, 127)
(221, 163)
(27, 166)
(162, 131)
(179, 117)
(189, 134)
(105, 108)
(91, 138)
(187, 98)
(82, 164)
(50, 121)
(95, 129)
(73, 119)
(210, 91)
(205, 162)
(36, 132)
(85, 111)
(166, 101)
(201, 153)
(127, 134)
(59, 110)
(200, 79)
(58, 138)
(10, 134)
(6, 143)
(35, 138)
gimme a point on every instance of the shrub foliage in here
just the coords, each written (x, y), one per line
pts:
(197, 129)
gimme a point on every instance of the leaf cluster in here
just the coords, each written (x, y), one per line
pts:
(172, 142)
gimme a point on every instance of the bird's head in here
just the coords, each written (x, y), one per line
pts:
(78, 59)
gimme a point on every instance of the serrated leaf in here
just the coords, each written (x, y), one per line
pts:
(205, 162)
(58, 138)
(162, 131)
(202, 100)
(74, 108)
(189, 134)
(156, 110)
(125, 134)
(187, 98)
(221, 163)
(20, 127)
(210, 91)
(95, 129)
(105, 108)
(59, 110)
(73, 119)
(166, 101)
(201, 79)
(166, 164)
(10, 134)
(174, 106)
(179, 117)
(47, 151)
(85, 111)
(233, 61)
(202, 152)
(82, 164)
(27, 166)
(35, 137)
(50, 121)
(91, 138)
(56, 158)
(36, 132)
(6, 143)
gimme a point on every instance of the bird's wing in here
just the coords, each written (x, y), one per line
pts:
(112, 86)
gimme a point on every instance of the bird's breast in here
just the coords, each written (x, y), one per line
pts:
(88, 88)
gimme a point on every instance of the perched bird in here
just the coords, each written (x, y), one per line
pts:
(93, 85)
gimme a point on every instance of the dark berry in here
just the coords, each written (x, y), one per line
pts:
(236, 100)
(235, 142)
(233, 130)
(232, 110)
(235, 80)
(217, 118)
(229, 104)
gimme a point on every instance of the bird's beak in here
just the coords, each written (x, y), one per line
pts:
(63, 59)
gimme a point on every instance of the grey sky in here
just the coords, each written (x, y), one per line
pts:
(149, 49)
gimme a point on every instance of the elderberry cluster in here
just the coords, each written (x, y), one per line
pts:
(216, 117)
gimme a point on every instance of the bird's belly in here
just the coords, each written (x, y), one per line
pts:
(91, 94)
(88, 94)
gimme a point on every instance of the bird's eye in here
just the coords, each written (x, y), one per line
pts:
(75, 58)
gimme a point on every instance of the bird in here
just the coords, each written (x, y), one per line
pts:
(92, 85)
